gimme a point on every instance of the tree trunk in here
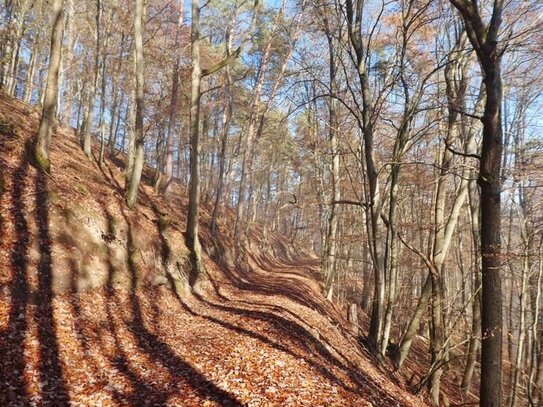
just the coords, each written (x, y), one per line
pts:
(373, 220)
(248, 149)
(66, 114)
(115, 110)
(437, 338)
(475, 339)
(197, 272)
(333, 220)
(226, 118)
(490, 183)
(131, 149)
(484, 39)
(414, 322)
(43, 138)
(173, 107)
(31, 71)
(101, 120)
(132, 190)
(86, 130)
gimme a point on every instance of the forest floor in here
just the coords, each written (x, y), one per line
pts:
(80, 327)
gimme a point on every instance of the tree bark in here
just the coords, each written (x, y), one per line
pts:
(475, 339)
(89, 112)
(373, 220)
(43, 138)
(226, 118)
(32, 70)
(173, 107)
(484, 39)
(333, 220)
(133, 185)
(197, 272)
(66, 113)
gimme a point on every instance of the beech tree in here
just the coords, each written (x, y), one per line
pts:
(484, 38)
(86, 126)
(137, 135)
(43, 138)
(168, 172)
(194, 189)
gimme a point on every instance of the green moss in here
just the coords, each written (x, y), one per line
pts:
(69, 214)
(81, 188)
(52, 197)
(42, 161)
(163, 223)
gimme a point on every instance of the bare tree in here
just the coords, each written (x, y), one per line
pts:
(484, 38)
(194, 188)
(172, 115)
(43, 138)
(86, 127)
(134, 181)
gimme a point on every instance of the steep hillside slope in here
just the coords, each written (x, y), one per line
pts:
(93, 309)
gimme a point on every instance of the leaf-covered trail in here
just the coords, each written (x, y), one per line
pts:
(259, 338)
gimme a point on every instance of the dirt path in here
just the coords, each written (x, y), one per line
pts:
(257, 339)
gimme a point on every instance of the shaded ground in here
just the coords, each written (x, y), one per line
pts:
(83, 323)
(115, 347)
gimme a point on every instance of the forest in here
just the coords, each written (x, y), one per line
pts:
(374, 167)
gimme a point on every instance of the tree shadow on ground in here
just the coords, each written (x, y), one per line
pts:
(160, 353)
(300, 343)
(21, 297)
(272, 284)
(13, 386)
(50, 367)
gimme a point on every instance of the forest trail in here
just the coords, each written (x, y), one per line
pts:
(233, 347)
(87, 318)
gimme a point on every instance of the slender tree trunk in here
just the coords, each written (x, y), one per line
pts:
(131, 130)
(475, 339)
(31, 71)
(114, 113)
(333, 221)
(519, 357)
(373, 199)
(102, 121)
(535, 386)
(86, 130)
(66, 113)
(173, 107)
(390, 247)
(43, 138)
(437, 337)
(132, 190)
(366, 273)
(198, 270)
(490, 183)
(226, 117)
